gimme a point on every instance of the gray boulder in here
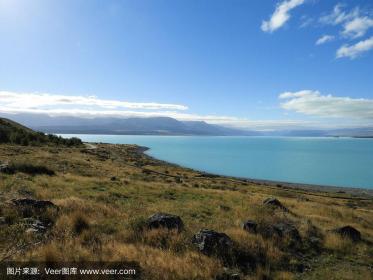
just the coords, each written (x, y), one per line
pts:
(228, 276)
(287, 230)
(349, 232)
(5, 168)
(274, 202)
(33, 203)
(280, 230)
(210, 242)
(250, 226)
(164, 220)
(36, 226)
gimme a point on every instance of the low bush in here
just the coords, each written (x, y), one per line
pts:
(29, 169)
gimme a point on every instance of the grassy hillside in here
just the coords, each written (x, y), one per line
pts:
(14, 133)
(105, 195)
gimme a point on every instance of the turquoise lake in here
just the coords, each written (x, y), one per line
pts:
(344, 162)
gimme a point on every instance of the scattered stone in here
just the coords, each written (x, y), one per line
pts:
(36, 226)
(210, 242)
(113, 178)
(37, 204)
(5, 168)
(163, 220)
(2, 221)
(250, 226)
(274, 202)
(349, 232)
(280, 230)
(228, 276)
(315, 243)
(287, 230)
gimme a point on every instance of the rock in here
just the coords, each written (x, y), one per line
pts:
(315, 243)
(2, 221)
(5, 168)
(274, 202)
(113, 178)
(228, 276)
(349, 232)
(287, 230)
(210, 242)
(163, 220)
(250, 226)
(36, 226)
(37, 204)
(281, 230)
(31, 231)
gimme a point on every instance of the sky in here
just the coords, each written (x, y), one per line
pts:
(252, 64)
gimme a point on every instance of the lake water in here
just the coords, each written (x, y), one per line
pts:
(344, 162)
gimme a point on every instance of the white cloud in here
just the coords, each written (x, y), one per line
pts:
(281, 15)
(338, 16)
(306, 21)
(22, 101)
(324, 39)
(93, 107)
(357, 27)
(353, 51)
(313, 103)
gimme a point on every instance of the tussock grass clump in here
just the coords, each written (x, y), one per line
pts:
(340, 244)
(29, 168)
(80, 224)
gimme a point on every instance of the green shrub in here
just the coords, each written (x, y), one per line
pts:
(29, 169)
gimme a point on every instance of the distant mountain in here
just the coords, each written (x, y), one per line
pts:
(125, 126)
(352, 132)
(163, 126)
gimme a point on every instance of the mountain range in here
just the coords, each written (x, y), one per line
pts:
(161, 126)
(123, 126)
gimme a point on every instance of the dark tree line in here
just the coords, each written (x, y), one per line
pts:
(12, 134)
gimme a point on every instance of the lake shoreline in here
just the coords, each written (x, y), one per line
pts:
(358, 192)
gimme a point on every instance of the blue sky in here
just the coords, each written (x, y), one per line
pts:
(251, 64)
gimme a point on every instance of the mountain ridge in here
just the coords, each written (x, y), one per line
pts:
(164, 126)
(125, 126)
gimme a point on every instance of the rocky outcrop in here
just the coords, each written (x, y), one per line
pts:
(33, 203)
(275, 203)
(348, 232)
(36, 226)
(228, 276)
(250, 226)
(164, 220)
(277, 230)
(4, 168)
(286, 230)
(210, 242)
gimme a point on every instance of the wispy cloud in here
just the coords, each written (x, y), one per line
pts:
(355, 24)
(324, 39)
(338, 16)
(21, 101)
(313, 103)
(281, 15)
(94, 107)
(353, 51)
(357, 27)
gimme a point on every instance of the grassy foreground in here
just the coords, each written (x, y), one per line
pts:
(105, 194)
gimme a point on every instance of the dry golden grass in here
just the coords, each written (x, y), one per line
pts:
(105, 195)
